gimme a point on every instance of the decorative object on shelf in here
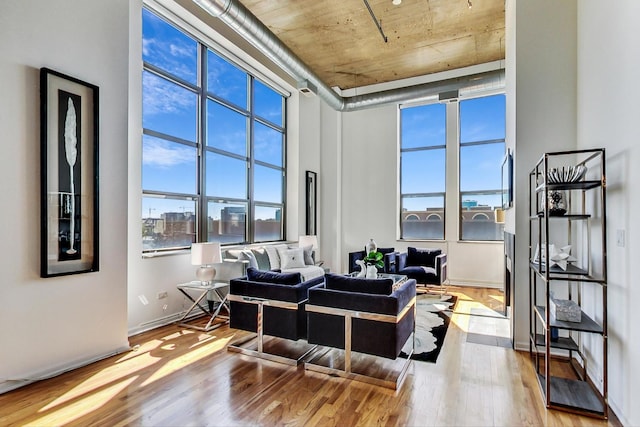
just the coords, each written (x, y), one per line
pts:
(204, 255)
(555, 334)
(69, 175)
(557, 203)
(561, 257)
(565, 310)
(566, 175)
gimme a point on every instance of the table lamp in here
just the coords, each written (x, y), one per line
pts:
(205, 254)
(305, 241)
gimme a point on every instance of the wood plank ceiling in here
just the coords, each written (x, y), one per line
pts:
(339, 40)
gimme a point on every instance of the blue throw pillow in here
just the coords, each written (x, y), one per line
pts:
(273, 277)
(338, 282)
(422, 257)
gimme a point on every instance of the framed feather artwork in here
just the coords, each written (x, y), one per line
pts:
(69, 175)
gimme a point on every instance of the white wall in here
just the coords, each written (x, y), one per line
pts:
(53, 324)
(544, 55)
(608, 55)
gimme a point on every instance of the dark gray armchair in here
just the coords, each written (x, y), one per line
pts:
(273, 304)
(427, 266)
(370, 316)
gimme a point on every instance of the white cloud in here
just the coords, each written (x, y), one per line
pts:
(164, 154)
(162, 97)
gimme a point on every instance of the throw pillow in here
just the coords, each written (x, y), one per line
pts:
(291, 258)
(274, 258)
(308, 255)
(261, 258)
(272, 277)
(422, 257)
(338, 282)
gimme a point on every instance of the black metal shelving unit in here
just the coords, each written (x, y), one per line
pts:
(556, 341)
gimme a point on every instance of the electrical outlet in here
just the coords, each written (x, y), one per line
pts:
(620, 238)
(162, 295)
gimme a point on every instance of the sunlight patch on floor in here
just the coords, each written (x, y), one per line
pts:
(82, 406)
(192, 356)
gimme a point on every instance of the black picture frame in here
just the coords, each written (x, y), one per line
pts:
(69, 175)
(507, 180)
(312, 199)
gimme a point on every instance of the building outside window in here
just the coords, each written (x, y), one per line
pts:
(422, 167)
(482, 148)
(213, 146)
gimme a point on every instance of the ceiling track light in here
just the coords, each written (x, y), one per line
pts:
(396, 2)
(373, 16)
(468, 2)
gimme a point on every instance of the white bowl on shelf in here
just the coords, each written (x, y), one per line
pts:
(566, 174)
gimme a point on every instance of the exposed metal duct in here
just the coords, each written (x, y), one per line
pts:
(241, 20)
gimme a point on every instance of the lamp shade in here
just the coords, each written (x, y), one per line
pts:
(305, 241)
(205, 253)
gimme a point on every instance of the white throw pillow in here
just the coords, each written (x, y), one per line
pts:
(291, 258)
(274, 258)
(308, 255)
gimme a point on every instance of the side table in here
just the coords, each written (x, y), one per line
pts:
(203, 290)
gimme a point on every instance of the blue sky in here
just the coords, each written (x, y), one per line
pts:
(481, 119)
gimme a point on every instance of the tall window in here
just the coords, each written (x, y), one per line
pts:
(213, 146)
(422, 168)
(482, 148)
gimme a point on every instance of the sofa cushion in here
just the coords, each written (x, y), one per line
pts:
(273, 277)
(261, 258)
(291, 258)
(422, 256)
(308, 255)
(339, 282)
(274, 257)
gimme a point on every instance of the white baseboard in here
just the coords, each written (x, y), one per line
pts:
(12, 384)
(162, 321)
(475, 283)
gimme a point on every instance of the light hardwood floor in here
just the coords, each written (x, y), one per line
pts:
(180, 377)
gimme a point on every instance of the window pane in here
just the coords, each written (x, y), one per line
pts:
(423, 171)
(482, 119)
(268, 223)
(481, 167)
(226, 81)
(479, 217)
(268, 103)
(168, 107)
(267, 144)
(167, 223)
(422, 217)
(267, 183)
(168, 166)
(226, 129)
(423, 126)
(226, 222)
(167, 48)
(226, 176)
